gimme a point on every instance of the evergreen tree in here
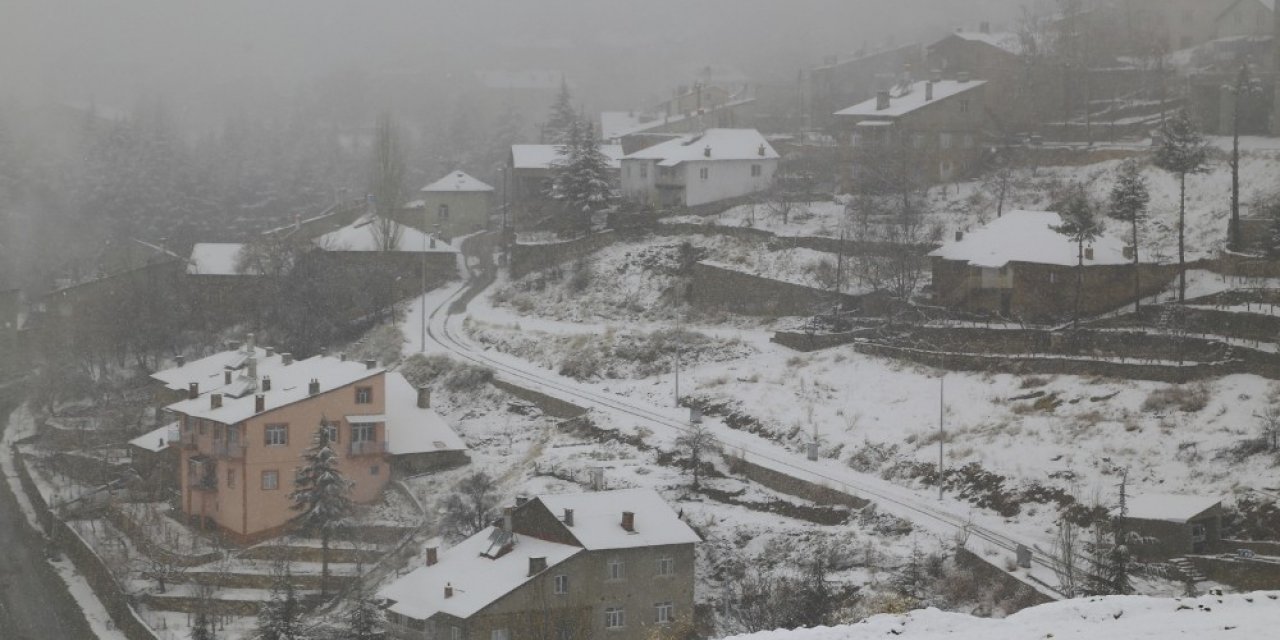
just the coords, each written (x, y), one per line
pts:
(1182, 152)
(278, 617)
(1081, 225)
(364, 622)
(562, 118)
(581, 179)
(202, 629)
(1129, 199)
(322, 496)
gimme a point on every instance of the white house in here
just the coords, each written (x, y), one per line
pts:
(700, 168)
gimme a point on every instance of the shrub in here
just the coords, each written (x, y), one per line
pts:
(1184, 398)
(422, 370)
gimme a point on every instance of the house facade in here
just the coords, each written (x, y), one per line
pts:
(697, 169)
(532, 168)
(456, 205)
(1170, 526)
(616, 564)
(1247, 18)
(250, 414)
(932, 129)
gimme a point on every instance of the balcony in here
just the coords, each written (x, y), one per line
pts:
(228, 450)
(368, 448)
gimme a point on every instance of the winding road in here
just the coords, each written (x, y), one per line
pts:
(444, 333)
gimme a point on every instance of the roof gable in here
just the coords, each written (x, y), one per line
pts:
(456, 181)
(722, 144)
(912, 98)
(597, 519)
(1028, 236)
(1168, 507)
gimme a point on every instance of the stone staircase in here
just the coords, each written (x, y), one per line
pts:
(1187, 571)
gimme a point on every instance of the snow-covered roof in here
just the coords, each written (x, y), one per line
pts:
(158, 440)
(597, 519)
(1028, 236)
(289, 384)
(1168, 507)
(725, 144)
(616, 124)
(411, 429)
(1004, 40)
(477, 580)
(214, 259)
(457, 181)
(208, 371)
(1225, 617)
(910, 98)
(360, 236)
(545, 156)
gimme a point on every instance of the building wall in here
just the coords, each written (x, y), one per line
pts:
(1166, 540)
(240, 504)
(725, 179)
(837, 85)
(640, 180)
(1247, 18)
(468, 211)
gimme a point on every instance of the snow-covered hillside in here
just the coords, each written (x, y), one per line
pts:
(1230, 617)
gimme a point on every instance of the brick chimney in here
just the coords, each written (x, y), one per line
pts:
(882, 100)
(266, 383)
(259, 403)
(342, 355)
(271, 351)
(286, 358)
(226, 376)
(706, 152)
(215, 400)
(371, 364)
(253, 368)
(448, 590)
(962, 77)
(537, 565)
(424, 398)
(313, 387)
(568, 517)
(760, 151)
(433, 556)
(521, 500)
(179, 360)
(193, 390)
(629, 521)
(928, 91)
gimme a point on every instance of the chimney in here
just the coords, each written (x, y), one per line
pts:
(433, 556)
(984, 27)
(286, 358)
(882, 100)
(506, 518)
(424, 398)
(537, 565)
(232, 345)
(179, 360)
(521, 500)
(259, 403)
(271, 351)
(597, 478)
(928, 91)
(193, 390)
(629, 521)
(266, 383)
(249, 344)
(313, 387)
(959, 236)
(226, 376)
(760, 151)
(342, 355)
(215, 400)
(962, 77)
(568, 517)
(371, 364)
(253, 368)
(706, 153)
(448, 590)
(1088, 253)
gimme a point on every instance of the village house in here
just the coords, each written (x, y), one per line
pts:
(1246, 18)
(249, 414)
(933, 128)
(617, 564)
(532, 168)
(456, 205)
(1169, 526)
(1018, 266)
(700, 168)
(844, 80)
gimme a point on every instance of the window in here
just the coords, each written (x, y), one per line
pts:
(561, 585)
(964, 105)
(330, 430)
(617, 570)
(644, 171)
(703, 173)
(270, 480)
(202, 424)
(375, 470)
(364, 395)
(231, 478)
(277, 435)
(663, 612)
(944, 140)
(443, 212)
(614, 618)
(362, 432)
(500, 634)
(1198, 533)
(756, 171)
(455, 633)
(1053, 277)
(564, 631)
(666, 566)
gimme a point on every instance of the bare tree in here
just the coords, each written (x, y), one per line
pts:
(698, 443)
(386, 184)
(471, 506)
(1066, 552)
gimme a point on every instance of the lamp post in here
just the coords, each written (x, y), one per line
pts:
(942, 433)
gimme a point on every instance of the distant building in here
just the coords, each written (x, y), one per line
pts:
(1247, 18)
(932, 128)
(248, 415)
(456, 205)
(532, 168)
(1020, 95)
(844, 80)
(1172, 526)
(610, 564)
(701, 168)
(1018, 266)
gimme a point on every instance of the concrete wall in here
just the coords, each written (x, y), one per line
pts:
(1245, 575)
(789, 485)
(725, 179)
(527, 258)
(468, 211)
(718, 288)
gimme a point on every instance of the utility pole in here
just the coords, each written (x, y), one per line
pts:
(677, 378)
(942, 432)
(422, 345)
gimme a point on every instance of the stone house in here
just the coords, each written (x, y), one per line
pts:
(697, 169)
(248, 415)
(456, 205)
(933, 128)
(1169, 526)
(532, 168)
(617, 564)
(1018, 266)
(841, 81)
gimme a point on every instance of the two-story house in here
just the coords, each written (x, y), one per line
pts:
(456, 205)
(701, 168)
(609, 564)
(249, 416)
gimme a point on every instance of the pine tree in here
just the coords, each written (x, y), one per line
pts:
(278, 617)
(1182, 152)
(1081, 225)
(364, 622)
(1129, 199)
(562, 118)
(322, 496)
(202, 629)
(581, 179)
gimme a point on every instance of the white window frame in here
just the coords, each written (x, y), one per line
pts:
(560, 584)
(281, 429)
(615, 618)
(664, 612)
(704, 173)
(500, 634)
(359, 431)
(617, 570)
(666, 566)
(274, 474)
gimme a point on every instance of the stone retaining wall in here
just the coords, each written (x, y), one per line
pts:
(718, 288)
(527, 258)
(1244, 575)
(1260, 547)
(984, 571)
(549, 405)
(789, 485)
(311, 554)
